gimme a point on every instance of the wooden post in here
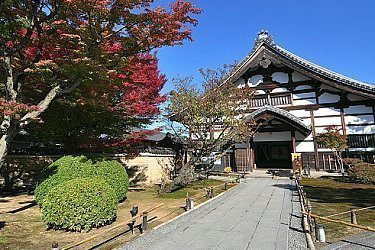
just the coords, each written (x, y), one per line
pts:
(188, 204)
(316, 154)
(144, 222)
(353, 217)
(293, 135)
(55, 246)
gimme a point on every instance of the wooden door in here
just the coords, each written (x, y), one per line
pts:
(241, 160)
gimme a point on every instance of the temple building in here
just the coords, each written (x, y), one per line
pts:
(295, 100)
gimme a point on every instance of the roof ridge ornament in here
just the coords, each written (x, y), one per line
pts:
(264, 36)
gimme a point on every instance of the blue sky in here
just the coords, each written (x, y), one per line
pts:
(336, 34)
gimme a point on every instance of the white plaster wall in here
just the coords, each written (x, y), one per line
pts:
(328, 98)
(259, 92)
(358, 109)
(326, 121)
(305, 146)
(326, 111)
(304, 102)
(279, 90)
(255, 80)
(240, 83)
(303, 95)
(349, 119)
(280, 77)
(274, 136)
(300, 113)
(362, 149)
(369, 129)
(300, 136)
(302, 87)
(297, 77)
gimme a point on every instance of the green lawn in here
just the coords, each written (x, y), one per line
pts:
(329, 196)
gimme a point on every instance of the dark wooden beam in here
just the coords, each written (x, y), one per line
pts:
(316, 155)
(293, 135)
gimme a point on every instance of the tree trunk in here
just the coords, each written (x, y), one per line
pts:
(4, 145)
(186, 175)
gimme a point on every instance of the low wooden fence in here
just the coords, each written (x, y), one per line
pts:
(139, 220)
(315, 230)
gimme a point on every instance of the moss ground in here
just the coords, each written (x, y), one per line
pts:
(23, 229)
(330, 196)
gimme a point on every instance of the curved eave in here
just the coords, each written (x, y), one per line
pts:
(283, 115)
(299, 64)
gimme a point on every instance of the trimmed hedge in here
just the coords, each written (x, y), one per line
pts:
(68, 168)
(78, 204)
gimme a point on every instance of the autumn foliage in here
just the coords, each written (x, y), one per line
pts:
(89, 52)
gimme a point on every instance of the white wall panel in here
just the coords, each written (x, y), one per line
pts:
(349, 119)
(280, 77)
(300, 113)
(302, 87)
(326, 111)
(300, 136)
(240, 83)
(274, 136)
(320, 121)
(302, 147)
(328, 98)
(279, 90)
(358, 109)
(255, 80)
(304, 102)
(369, 129)
(303, 95)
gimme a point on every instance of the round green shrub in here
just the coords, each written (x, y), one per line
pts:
(115, 175)
(78, 204)
(69, 167)
(64, 169)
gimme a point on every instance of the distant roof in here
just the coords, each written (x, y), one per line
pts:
(265, 41)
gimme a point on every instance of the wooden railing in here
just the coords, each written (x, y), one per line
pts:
(281, 100)
(274, 100)
(361, 141)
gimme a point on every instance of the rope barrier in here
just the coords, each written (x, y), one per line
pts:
(347, 212)
(339, 221)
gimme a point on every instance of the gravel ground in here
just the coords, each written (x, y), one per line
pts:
(297, 238)
(360, 241)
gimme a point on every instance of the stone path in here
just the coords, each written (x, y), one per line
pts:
(254, 215)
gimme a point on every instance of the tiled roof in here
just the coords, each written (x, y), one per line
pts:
(265, 39)
(282, 113)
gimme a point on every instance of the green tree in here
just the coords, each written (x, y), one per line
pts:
(333, 139)
(208, 118)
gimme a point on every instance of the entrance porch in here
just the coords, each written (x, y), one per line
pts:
(272, 144)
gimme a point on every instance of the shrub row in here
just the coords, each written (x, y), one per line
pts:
(77, 193)
(359, 171)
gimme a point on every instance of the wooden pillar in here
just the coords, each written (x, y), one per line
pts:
(316, 155)
(343, 127)
(293, 135)
(249, 154)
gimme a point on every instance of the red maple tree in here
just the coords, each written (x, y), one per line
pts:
(49, 48)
